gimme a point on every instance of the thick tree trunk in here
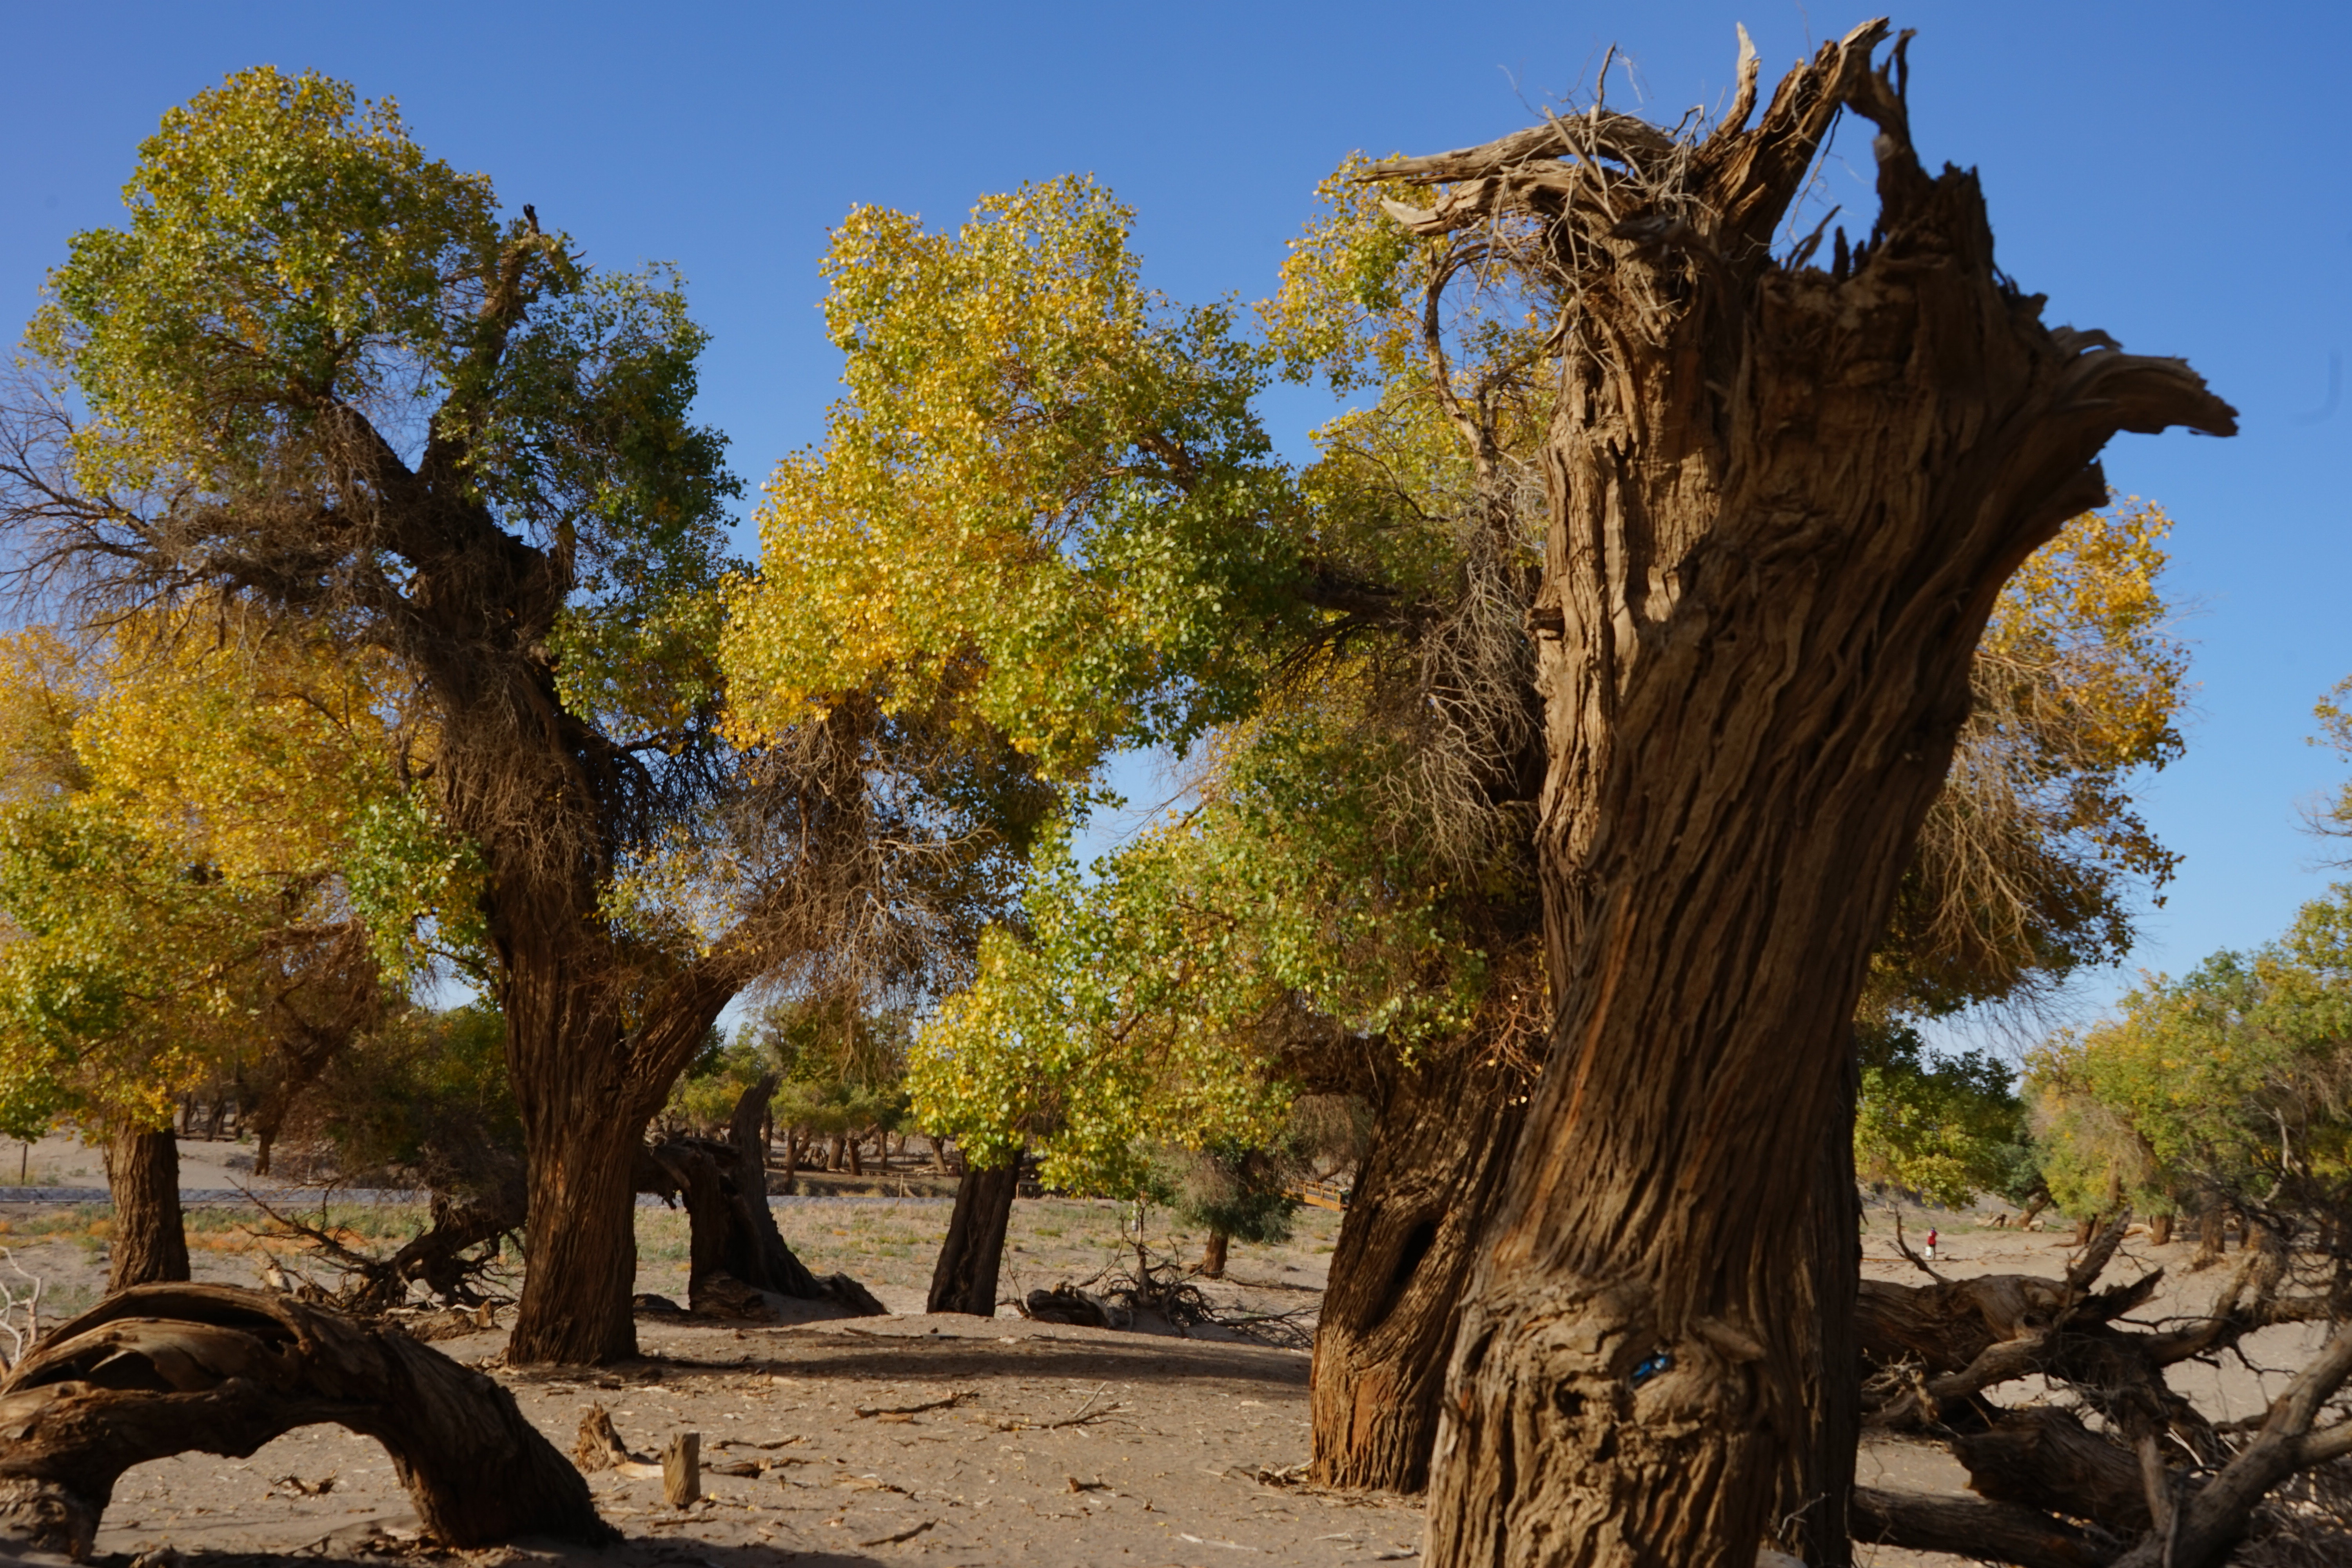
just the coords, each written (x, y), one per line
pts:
(2159, 1230)
(2213, 1233)
(1784, 503)
(150, 1243)
(1440, 1151)
(161, 1370)
(586, 1087)
(568, 1061)
(1214, 1253)
(965, 1278)
(581, 1247)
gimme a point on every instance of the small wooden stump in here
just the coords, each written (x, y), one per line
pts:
(682, 1463)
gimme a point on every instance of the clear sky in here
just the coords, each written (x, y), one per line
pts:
(2174, 173)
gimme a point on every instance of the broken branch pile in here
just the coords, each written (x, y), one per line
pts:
(2130, 1473)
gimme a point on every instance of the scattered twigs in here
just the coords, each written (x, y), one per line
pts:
(1085, 1415)
(908, 1533)
(1115, 1295)
(949, 1403)
(1080, 1412)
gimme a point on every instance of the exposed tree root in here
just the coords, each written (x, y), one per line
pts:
(164, 1369)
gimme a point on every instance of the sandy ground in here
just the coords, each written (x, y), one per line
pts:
(1160, 1469)
(1169, 1461)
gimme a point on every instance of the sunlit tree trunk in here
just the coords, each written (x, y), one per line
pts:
(1784, 500)
(1441, 1146)
(150, 1243)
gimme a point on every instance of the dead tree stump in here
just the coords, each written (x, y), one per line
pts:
(734, 1249)
(682, 1463)
(161, 1370)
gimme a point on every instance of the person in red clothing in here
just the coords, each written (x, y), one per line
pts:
(1931, 1243)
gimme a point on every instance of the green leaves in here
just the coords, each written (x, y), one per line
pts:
(204, 817)
(308, 327)
(289, 247)
(1947, 1127)
(2224, 1084)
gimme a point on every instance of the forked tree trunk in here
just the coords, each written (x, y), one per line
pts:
(964, 1279)
(165, 1369)
(150, 1243)
(734, 1250)
(1441, 1150)
(1784, 500)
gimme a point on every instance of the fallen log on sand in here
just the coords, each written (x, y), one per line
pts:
(160, 1370)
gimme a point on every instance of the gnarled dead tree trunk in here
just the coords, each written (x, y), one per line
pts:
(734, 1249)
(150, 1243)
(2157, 1481)
(1784, 500)
(164, 1369)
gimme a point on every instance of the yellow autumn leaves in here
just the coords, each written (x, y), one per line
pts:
(186, 798)
(1041, 504)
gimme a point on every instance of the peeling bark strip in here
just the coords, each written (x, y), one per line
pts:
(1783, 502)
(165, 1369)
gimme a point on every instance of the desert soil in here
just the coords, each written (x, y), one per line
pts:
(1043, 1444)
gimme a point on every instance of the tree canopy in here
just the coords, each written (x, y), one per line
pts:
(198, 840)
(2223, 1088)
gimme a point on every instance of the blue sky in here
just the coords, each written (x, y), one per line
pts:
(2172, 172)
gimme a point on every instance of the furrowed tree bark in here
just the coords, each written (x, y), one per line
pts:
(1441, 1148)
(161, 1370)
(567, 1064)
(150, 1243)
(1784, 500)
(964, 1279)
(1809, 1517)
